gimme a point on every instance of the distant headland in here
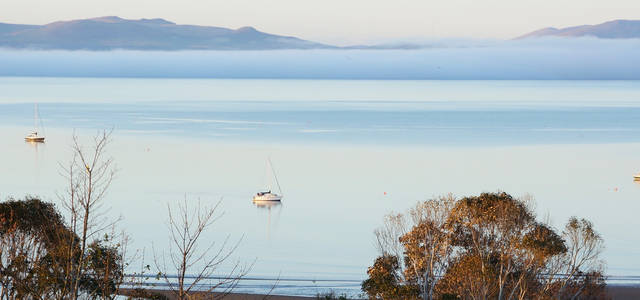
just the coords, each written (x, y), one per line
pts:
(112, 33)
(109, 33)
(617, 29)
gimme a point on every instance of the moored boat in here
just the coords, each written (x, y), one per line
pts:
(269, 196)
(34, 137)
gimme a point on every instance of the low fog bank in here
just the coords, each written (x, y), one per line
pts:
(550, 58)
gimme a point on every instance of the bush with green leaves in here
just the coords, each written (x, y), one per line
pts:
(39, 253)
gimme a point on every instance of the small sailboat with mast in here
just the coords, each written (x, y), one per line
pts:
(34, 137)
(269, 195)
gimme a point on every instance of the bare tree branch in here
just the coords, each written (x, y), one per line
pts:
(194, 264)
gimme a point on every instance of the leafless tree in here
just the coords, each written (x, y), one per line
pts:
(194, 264)
(89, 175)
(388, 235)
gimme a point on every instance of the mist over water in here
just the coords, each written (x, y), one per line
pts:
(547, 58)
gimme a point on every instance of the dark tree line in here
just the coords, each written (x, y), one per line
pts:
(39, 255)
(486, 247)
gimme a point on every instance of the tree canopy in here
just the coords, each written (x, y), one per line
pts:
(489, 246)
(38, 253)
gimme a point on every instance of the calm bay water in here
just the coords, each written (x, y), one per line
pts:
(346, 154)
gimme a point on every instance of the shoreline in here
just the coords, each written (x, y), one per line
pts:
(231, 296)
(623, 292)
(615, 292)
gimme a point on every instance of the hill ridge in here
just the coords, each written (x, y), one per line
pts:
(113, 32)
(615, 29)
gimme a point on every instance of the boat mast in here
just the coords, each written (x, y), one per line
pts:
(266, 180)
(274, 175)
(35, 117)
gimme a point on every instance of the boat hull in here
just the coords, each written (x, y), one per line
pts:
(267, 198)
(34, 139)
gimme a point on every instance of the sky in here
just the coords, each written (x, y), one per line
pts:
(342, 22)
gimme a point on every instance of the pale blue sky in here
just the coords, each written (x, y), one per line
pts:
(342, 21)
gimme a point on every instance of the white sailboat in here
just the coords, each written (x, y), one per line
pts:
(34, 137)
(268, 195)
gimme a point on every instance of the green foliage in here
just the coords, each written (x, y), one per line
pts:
(33, 235)
(383, 281)
(104, 264)
(39, 254)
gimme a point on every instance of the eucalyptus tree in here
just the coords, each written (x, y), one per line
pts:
(385, 280)
(37, 259)
(489, 246)
(500, 235)
(32, 234)
(420, 242)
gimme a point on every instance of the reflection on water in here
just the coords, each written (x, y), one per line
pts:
(268, 205)
(35, 144)
(38, 148)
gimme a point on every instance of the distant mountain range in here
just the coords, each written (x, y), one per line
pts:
(618, 29)
(107, 33)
